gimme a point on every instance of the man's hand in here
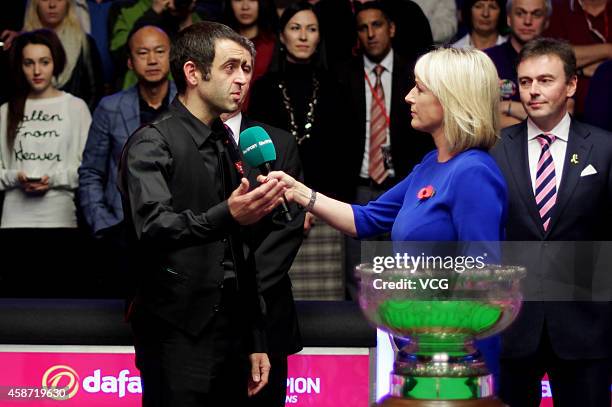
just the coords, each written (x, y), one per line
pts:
(260, 371)
(249, 207)
(309, 223)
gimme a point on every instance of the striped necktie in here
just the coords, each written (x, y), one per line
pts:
(378, 130)
(546, 183)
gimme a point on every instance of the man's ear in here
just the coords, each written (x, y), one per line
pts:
(572, 84)
(391, 29)
(129, 63)
(191, 73)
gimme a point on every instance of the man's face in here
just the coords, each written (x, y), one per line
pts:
(527, 19)
(544, 89)
(375, 33)
(150, 55)
(230, 74)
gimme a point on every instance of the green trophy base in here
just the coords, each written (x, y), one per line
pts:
(391, 401)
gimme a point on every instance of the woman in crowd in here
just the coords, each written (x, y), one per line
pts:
(256, 20)
(486, 21)
(42, 136)
(82, 74)
(299, 94)
(455, 99)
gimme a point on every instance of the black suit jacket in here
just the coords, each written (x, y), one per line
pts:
(408, 146)
(180, 226)
(562, 270)
(276, 243)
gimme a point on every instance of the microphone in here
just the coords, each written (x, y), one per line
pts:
(258, 151)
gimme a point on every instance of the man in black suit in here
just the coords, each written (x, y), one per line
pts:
(379, 81)
(277, 243)
(196, 315)
(559, 175)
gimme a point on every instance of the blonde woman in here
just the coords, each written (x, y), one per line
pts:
(457, 193)
(82, 75)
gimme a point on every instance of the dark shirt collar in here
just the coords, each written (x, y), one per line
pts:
(163, 105)
(147, 112)
(198, 130)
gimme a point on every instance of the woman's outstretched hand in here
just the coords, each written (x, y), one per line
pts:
(292, 186)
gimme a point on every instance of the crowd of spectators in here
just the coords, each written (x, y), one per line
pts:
(325, 71)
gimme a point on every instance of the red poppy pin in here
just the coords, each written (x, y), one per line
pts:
(426, 193)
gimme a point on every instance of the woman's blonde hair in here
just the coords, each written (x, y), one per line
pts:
(465, 82)
(70, 32)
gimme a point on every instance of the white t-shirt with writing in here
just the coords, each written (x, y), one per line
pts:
(50, 141)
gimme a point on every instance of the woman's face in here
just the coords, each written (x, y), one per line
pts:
(37, 65)
(246, 11)
(425, 108)
(301, 36)
(52, 12)
(485, 14)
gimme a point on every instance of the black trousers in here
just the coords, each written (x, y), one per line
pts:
(574, 383)
(179, 370)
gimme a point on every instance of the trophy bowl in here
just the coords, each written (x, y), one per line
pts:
(434, 316)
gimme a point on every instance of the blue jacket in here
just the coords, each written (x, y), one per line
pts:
(114, 120)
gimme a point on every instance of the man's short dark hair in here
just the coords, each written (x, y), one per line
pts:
(372, 5)
(551, 46)
(196, 43)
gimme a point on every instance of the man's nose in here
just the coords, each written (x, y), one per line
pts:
(151, 58)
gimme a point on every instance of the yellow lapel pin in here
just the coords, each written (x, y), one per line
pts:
(574, 159)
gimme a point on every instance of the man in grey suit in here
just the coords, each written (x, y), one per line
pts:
(114, 120)
(559, 175)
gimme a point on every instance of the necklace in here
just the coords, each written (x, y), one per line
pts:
(310, 116)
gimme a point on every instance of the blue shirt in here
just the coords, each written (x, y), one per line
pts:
(469, 203)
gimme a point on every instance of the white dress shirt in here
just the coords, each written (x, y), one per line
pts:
(234, 125)
(386, 78)
(557, 148)
(466, 41)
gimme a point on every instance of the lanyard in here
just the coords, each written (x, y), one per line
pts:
(604, 36)
(377, 99)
